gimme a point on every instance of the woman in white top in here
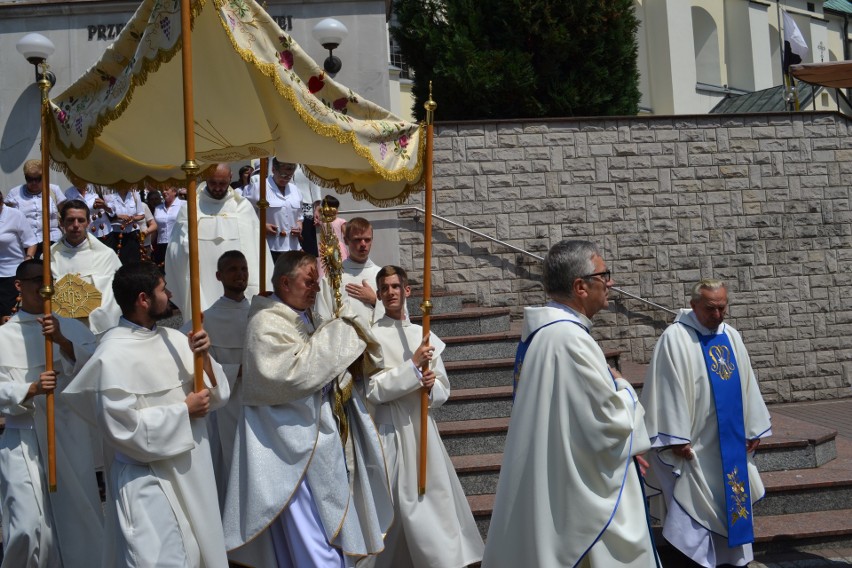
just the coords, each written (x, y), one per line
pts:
(17, 244)
(26, 198)
(127, 215)
(166, 214)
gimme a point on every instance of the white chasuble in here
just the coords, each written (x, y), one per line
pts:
(569, 493)
(95, 263)
(42, 528)
(224, 224)
(161, 507)
(680, 409)
(436, 530)
(288, 436)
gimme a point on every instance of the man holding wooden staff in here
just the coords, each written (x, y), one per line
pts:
(42, 528)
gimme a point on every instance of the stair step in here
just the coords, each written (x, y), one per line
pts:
(467, 404)
(443, 301)
(824, 488)
(469, 321)
(480, 373)
(802, 531)
(502, 345)
(795, 444)
(471, 437)
(479, 473)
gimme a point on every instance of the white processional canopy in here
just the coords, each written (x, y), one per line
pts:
(256, 94)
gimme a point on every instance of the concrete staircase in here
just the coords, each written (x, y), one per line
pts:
(806, 469)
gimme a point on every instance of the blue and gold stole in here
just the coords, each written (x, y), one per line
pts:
(727, 397)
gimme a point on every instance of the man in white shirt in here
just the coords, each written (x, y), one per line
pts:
(226, 222)
(359, 276)
(27, 199)
(83, 268)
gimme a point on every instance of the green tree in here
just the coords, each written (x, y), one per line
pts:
(521, 58)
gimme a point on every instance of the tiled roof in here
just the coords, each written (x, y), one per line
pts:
(767, 100)
(844, 6)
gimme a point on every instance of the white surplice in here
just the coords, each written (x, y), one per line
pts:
(225, 322)
(161, 508)
(224, 224)
(353, 273)
(438, 529)
(40, 528)
(95, 263)
(680, 409)
(289, 462)
(569, 493)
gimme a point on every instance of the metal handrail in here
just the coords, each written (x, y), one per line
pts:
(499, 242)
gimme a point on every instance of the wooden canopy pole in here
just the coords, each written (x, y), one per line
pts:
(426, 306)
(46, 289)
(190, 168)
(262, 206)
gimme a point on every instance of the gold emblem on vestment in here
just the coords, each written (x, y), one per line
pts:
(723, 364)
(75, 298)
(738, 508)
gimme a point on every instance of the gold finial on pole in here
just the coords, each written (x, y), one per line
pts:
(430, 107)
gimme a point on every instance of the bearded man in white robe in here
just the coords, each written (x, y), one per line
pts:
(708, 480)
(308, 483)
(435, 530)
(161, 505)
(81, 254)
(226, 221)
(42, 528)
(359, 276)
(569, 492)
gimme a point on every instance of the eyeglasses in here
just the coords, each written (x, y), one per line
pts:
(606, 275)
(32, 179)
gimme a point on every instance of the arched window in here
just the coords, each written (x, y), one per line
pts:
(705, 36)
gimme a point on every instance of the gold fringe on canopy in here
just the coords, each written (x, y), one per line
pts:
(257, 94)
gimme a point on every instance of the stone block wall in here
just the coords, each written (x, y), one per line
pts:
(761, 201)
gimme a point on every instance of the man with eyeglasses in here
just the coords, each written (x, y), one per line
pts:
(706, 418)
(27, 199)
(570, 492)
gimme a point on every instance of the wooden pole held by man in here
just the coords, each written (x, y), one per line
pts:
(426, 306)
(46, 290)
(190, 168)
